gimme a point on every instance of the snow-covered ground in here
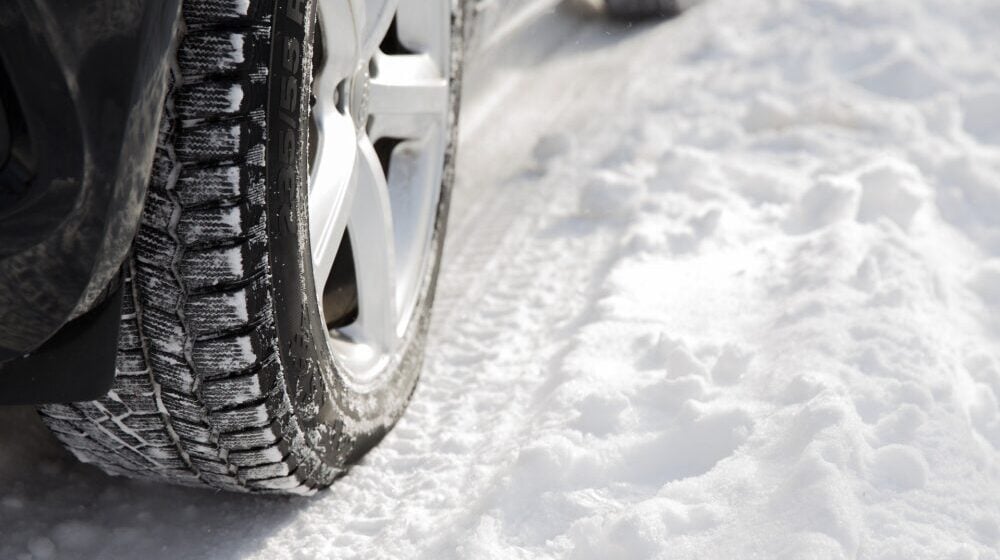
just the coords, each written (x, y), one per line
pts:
(721, 287)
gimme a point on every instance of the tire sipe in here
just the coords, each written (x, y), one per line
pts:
(231, 373)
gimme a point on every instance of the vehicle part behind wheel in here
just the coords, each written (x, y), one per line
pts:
(278, 295)
(642, 9)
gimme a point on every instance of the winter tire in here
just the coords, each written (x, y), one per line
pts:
(279, 291)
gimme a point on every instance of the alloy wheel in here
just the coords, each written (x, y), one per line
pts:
(379, 133)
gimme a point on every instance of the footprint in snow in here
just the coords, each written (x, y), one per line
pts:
(731, 364)
(830, 200)
(892, 189)
(698, 439)
(672, 354)
(898, 467)
(981, 118)
(548, 148)
(905, 75)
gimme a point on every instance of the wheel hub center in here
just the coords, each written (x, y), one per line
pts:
(359, 94)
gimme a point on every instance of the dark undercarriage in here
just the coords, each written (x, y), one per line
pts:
(81, 92)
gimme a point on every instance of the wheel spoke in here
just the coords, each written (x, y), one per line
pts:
(341, 44)
(371, 227)
(374, 21)
(332, 187)
(405, 92)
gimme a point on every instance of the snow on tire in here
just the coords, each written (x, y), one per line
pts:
(224, 376)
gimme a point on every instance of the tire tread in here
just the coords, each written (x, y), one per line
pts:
(198, 397)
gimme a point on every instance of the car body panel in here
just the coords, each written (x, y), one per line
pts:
(82, 88)
(88, 80)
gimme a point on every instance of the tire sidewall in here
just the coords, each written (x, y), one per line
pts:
(338, 420)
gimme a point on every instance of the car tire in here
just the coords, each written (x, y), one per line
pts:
(230, 374)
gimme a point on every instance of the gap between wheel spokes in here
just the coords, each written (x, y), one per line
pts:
(332, 188)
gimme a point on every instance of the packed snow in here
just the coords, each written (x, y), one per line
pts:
(718, 287)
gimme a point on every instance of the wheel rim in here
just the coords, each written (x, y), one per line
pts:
(379, 132)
